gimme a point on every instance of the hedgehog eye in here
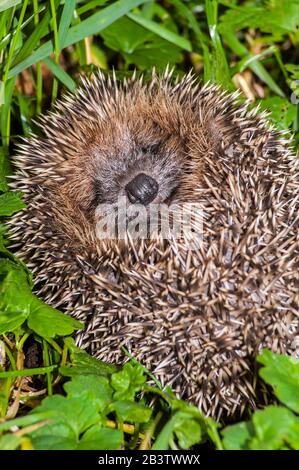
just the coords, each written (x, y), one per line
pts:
(150, 149)
(98, 194)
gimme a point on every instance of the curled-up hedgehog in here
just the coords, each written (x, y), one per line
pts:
(195, 314)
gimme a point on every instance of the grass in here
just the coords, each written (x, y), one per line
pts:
(44, 46)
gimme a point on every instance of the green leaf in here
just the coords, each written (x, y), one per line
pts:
(282, 373)
(236, 437)
(5, 4)
(18, 303)
(274, 427)
(9, 442)
(275, 17)
(32, 41)
(131, 412)
(91, 25)
(97, 386)
(65, 21)
(270, 429)
(128, 381)
(10, 203)
(84, 364)
(98, 438)
(220, 70)
(161, 31)
(4, 169)
(71, 417)
(282, 112)
(61, 74)
(49, 322)
(183, 426)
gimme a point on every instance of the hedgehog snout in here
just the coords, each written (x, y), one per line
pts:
(142, 189)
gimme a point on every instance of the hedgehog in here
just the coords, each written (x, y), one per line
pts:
(194, 307)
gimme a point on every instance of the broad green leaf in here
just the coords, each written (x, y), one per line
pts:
(9, 442)
(236, 437)
(275, 17)
(282, 373)
(275, 426)
(84, 364)
(98, 438)
(128, 381)
(10, 203)
(282, 112)
(131, 412)
(183, 426)
(71, 416)
(49, 322)
(18, 303)
(96, 385)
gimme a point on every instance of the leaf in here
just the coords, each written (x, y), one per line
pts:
(65, 21)
(219, 66)
(98, 438)
(10, 203)
(275, 17)
(131, 412)
(5, 4)
(49, 322)
(4, 169)
(91, 25)
(282, 373)
(32, 41)
(161, 31)
(128, 381)
(71, 417)
(18, 303)
(236, 437)
(61, 74)
(274, 426)
(84, 364)
(270, 429)
(181, 425)
(282, 112)
(97, 386)
(140, 46)
(9, 442)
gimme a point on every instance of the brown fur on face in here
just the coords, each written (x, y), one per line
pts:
(196, 318)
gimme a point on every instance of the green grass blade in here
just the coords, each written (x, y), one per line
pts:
(100, 20)
(220, 69)
(41, 53)
(257, 67)
(164, 33)
(39, 31)
(194, 25)
(6, 111)
(61, 74)
(65, 21)
(5, 4)
(91, 25)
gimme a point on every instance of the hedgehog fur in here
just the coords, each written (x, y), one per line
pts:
(196, 319)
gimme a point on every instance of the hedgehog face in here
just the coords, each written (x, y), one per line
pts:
(141, 172)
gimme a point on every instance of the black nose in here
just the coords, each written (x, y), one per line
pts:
(142, 189)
